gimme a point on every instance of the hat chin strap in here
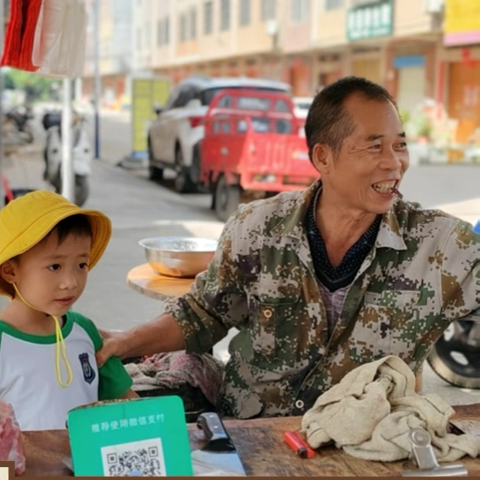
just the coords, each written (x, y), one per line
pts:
(60, 348)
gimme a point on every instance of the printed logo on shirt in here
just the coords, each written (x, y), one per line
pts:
(88, 371)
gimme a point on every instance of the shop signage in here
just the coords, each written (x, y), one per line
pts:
(462, 22)
(370, 20)
(146, 93)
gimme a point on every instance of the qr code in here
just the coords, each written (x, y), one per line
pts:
(135, 459)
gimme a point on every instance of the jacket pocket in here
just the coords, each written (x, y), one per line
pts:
(274, 326)
(387, 325)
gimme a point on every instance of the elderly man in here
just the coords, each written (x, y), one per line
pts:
(321, 281)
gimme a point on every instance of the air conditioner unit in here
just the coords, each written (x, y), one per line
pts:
(434, 6)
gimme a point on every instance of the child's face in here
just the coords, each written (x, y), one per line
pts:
(52, 277)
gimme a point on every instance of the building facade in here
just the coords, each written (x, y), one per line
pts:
(115, 51)
(307, 43)
(420, 50)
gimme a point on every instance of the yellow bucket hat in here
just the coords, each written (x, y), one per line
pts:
(28, 219)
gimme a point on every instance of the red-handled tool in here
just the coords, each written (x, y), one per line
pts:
(293, 440)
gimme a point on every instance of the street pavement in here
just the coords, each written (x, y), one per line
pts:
(140, 208)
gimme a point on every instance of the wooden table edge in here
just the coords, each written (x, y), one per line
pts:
(145, 273)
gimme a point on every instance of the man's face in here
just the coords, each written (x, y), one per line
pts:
(371, 161)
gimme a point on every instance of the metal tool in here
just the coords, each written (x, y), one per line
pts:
(220, 451)
(425, 459)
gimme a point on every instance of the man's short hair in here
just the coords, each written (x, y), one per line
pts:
(328, 122)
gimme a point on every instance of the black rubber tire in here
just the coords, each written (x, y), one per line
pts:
(154, 172)
(455, 360)
(227, 198)
(183, 182)
(195, 168)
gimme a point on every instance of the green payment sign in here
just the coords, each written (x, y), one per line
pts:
(145, 437)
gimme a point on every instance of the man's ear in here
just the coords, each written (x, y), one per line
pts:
(8, 271)
(322, 158)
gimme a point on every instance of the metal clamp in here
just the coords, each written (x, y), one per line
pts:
(425, 459)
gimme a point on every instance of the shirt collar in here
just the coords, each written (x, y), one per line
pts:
(293, 224)
(390, 234)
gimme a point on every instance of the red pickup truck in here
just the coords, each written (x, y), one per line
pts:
(252, 148)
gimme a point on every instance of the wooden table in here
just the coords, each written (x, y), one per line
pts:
(260, 447)
(144, 280)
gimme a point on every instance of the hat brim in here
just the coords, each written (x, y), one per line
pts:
(101, 233)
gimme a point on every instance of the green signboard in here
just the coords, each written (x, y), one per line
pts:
(145, 437)
(370, 21)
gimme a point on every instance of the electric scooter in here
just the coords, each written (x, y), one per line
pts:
(82, 154)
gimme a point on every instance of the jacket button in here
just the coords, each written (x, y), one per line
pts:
(267, 312)
(299, 404)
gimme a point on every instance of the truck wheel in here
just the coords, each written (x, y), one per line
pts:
(227, 198)
(154, 173)
(195, 168)
(183, 182)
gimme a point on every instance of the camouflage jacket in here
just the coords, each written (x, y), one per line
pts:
(423, 272)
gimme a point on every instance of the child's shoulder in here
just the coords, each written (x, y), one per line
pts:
(87, 325)
(77, 317)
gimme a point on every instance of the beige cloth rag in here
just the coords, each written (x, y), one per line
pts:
(372, 410)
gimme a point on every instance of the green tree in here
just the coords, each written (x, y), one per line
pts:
(35, 86)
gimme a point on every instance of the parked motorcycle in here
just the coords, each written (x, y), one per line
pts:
(82, 154)
(13, 139)
(20, 116)
(12, 193)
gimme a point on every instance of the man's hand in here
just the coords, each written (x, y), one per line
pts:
(113, 346)
(160, 335)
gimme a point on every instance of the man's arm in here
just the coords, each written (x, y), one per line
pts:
(197, 320)
(460, 274)
(159, 335)
(129, 394)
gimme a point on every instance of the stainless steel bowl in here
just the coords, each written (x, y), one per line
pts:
(178, 256)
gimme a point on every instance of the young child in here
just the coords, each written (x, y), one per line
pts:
(47, 352)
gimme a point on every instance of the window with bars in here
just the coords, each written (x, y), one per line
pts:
(299, 11)
(224, 15)
(333, 4)
(160, 33)
(139, 39)
(182, 31)
(267, 10)
(166, 31)
(193, 23)
(148, 37)
(163, 32)
(208, 18)
(244, 12)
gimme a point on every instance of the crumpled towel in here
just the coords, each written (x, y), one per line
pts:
(372, 410)
(171, 370)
